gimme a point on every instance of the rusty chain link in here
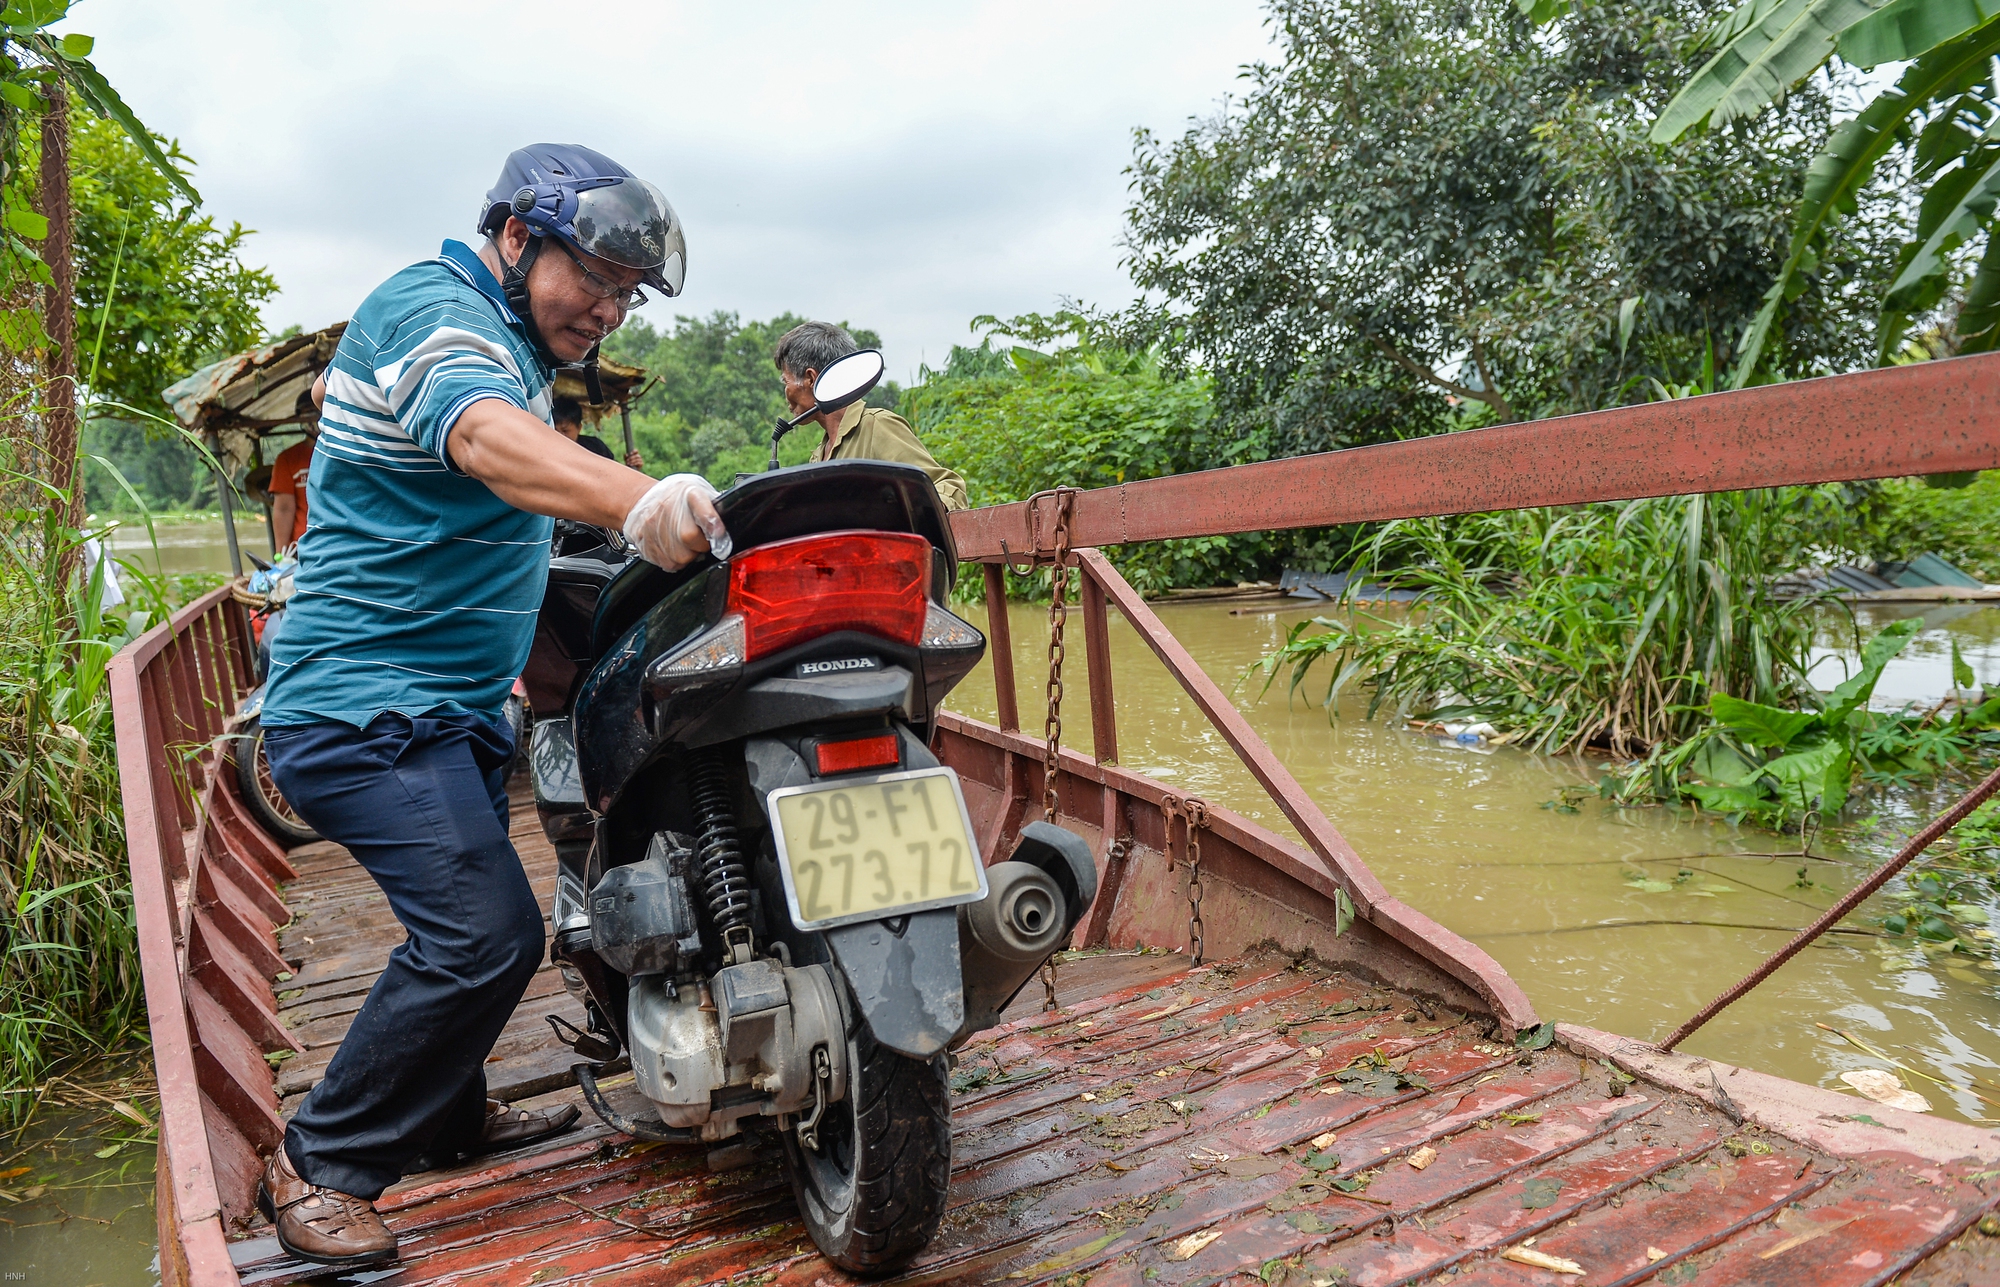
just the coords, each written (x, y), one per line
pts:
(1194, 812)
(1052, 723)
(1058, 614)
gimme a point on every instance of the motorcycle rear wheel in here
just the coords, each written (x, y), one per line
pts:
(873, 1192)
(261, 796)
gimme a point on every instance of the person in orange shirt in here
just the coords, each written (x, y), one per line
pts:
(288, 489)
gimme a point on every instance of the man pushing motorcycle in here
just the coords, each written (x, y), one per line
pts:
(432, 491)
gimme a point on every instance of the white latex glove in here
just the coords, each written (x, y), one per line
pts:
(667, 514)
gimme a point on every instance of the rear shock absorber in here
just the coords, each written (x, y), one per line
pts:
(725, 880)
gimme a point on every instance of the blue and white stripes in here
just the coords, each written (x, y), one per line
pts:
(418, 587)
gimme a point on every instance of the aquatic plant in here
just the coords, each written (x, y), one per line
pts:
(1775, 764)
(1604, 626)
(1947, 900)
(1648, 630)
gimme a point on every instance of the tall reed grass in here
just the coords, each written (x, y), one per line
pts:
(1606, 626)
(70, 988)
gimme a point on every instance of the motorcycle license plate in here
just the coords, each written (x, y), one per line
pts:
(866, 848)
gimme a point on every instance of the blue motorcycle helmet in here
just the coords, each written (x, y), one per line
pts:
(595, 205)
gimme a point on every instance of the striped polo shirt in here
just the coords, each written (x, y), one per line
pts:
(417, 587)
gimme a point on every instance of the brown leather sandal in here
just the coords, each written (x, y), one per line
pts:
(505, 1127)
(318, 1224)
(509, 1127)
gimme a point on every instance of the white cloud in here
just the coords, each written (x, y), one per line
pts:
(901, 165)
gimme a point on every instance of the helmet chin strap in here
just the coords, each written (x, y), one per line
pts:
(514, 285)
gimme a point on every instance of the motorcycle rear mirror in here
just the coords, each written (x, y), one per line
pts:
(844, 382)
(847, 380)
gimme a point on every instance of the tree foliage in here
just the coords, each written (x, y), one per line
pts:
(713, 392)
(163, 285)
(1938, 120)
(1084, 412)
(161, 290)
(32, 58)
(1429, 205)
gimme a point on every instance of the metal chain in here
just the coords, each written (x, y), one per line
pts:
(1195, 812)
(1058, 613)
(1052, 723)
(1197, 818)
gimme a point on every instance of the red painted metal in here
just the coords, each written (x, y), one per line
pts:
(1339, 864)
(1097, 651)
(205, 900)
(1000, 641)
(1841, 427)
(1849, 901)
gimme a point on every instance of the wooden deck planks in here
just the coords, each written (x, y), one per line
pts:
(343, 931)
(1164, 1111)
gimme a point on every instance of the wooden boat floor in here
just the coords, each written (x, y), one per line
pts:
(1255, 1118)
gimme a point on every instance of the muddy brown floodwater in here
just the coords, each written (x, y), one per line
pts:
(76, 1184)
(1463, 834)
(1459, 832)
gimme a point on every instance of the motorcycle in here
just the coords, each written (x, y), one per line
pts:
(768, 892)
(270, 587)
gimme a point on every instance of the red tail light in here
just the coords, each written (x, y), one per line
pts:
(860, 753)
(796, 590)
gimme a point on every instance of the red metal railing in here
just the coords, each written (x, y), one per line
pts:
(1928, 418)
(1932, 417)
(205, 879)
(204, 892)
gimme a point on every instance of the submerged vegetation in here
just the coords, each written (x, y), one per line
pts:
(1600, 626)
(1652, 631)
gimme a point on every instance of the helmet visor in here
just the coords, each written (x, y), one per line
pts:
(629, 223)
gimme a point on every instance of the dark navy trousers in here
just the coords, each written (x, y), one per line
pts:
(422, 805)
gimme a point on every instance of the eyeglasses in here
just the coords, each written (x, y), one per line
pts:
(601, 286)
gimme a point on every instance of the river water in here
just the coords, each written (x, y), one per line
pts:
(181, 546)
(1465, 834)
(1460, 832)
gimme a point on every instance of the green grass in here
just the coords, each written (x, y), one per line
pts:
(70, 990)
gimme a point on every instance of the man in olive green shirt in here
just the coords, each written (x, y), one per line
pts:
(858, 432)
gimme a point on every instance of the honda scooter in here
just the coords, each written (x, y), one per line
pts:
(768, 896)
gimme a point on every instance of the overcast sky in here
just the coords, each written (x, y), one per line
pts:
(903, 166)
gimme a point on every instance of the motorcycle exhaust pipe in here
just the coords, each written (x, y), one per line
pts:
(1033, 902)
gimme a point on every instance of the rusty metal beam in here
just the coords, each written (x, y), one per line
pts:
(1001, 648)
(1333, 850)
(1097, 648)
(1338, 863)
(1927, 418)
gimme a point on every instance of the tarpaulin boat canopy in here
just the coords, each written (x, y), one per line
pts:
(268, 390)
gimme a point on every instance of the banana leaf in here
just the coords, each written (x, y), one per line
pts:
(1775, 45)
(1957, 207)
(1905, 29)
(1849, 160)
